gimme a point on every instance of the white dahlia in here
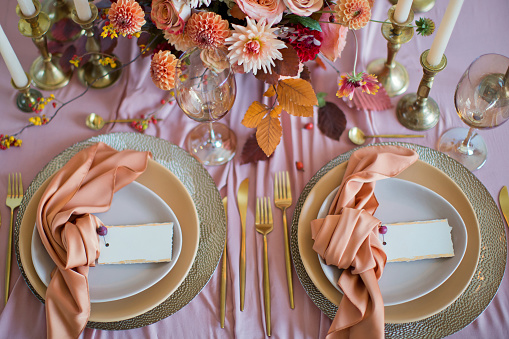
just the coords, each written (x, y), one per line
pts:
(256, 46)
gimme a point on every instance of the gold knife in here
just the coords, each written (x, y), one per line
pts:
(242, 202)
(223, 268)
(503, 199)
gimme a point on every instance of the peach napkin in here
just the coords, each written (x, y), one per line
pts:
(67, 228)
(348, 238)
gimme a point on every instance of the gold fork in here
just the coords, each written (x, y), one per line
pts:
(283, 200)
(14, 197)
(263, 223)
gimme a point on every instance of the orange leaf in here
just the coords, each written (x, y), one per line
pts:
(276, 112)
(269, 133)
(254, 114)
(299, 111)
(270, 92)
(298, 91)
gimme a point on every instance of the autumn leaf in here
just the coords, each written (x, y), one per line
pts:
(298, 91)
(331, 120)
(299, 111)
(289, 65)
(254, 114)
(251, 152)
(269, 78)
(269, 133)
(270, 92)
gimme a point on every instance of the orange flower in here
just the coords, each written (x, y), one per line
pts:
(353, 13)
(207, 30)
(181, 42)
(162, 70)
(126, 16)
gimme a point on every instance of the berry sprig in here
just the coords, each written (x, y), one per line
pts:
(141, 126)
(8, 141)
(39, 121)
(41, 103)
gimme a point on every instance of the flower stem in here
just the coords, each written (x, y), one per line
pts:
(330, 63)
(356, 52)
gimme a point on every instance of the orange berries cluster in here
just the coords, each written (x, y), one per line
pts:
(8, 141)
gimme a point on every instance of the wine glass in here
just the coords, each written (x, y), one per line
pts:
(482, 102)
(205, 90)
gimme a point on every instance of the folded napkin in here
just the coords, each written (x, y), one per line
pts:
(67, 228)
(348, 238)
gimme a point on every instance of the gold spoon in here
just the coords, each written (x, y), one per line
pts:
(357, 136)
(96, 122)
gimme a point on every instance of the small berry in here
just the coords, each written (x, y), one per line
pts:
(102, 230)
(309, 125)
(163, 101)
(54, 104)
(382, 229)
(299, 165)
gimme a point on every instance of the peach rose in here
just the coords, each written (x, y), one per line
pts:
(170, 15)
(270, 11)
(303, 7)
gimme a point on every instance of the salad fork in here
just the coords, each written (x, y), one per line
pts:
(264, 225)
(283, 200)
(14, 197)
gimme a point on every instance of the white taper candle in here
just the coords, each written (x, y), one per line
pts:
(444, 32)
(27, 7)
(402, 10)
(83, 9)
(11, 60)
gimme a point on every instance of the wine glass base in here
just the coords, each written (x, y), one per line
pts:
(208, 150)
(472, 157)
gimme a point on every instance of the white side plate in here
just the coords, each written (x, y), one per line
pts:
(133, 204)
(404, 201)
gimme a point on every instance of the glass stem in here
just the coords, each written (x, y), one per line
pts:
(212, 134)
(466, 145)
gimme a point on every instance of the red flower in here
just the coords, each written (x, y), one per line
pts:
(348, 83)
(305, 41)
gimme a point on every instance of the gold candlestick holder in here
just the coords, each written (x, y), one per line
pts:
(45, 70)
(391, 74)
(417, 111)
(93, 73)
(59, 13)
(27, 98)
(419, 6)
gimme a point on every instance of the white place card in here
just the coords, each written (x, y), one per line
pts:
(131, 244)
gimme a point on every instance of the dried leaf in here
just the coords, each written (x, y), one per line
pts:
(298, 91)
(331, 120)
(299, 111)
(378, 102)
(305, 74)
(271, 79)
(251, 152)
(270, 92)
(269, 133)
(254, 114)
(289, 66)
(66, 56)
(276, 112)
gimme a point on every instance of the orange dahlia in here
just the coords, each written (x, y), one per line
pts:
(353, 13)
(181, 42)
(162, 70)
(207, 30)
(126, 16)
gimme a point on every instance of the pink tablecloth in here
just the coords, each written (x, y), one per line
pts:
(481, 28)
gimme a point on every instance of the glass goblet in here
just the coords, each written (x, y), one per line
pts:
(205, 90)
(482, 102)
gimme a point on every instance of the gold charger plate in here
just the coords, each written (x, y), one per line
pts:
(194, 199)
(468, 285)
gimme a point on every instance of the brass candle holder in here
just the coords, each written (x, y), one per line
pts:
(92, 73)
(417, 111)
(27, 98)
(419, 6)
(59, 13)
(45, 70)
(391, 74)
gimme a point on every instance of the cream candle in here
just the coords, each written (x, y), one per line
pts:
(11, 60)
(27, 7)
(402, 10)
(83, 9)
(444, 32)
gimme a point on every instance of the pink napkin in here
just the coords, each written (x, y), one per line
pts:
(67, 228)
(348, 238)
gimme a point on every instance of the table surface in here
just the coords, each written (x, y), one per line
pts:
(480, 29)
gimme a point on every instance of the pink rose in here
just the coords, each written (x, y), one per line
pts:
(270, 11)
(304, 7)
(334, 38)
(170, 15)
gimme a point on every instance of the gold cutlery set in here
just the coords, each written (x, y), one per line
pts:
(264, 225)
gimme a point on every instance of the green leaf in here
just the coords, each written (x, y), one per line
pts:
(321, 98)
(304, 21)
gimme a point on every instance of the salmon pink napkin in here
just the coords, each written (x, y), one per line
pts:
(348, 238)
(67, 228)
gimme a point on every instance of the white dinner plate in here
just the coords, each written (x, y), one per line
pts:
(404, 201)
(133, 204)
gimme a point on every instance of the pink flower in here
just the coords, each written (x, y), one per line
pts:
(170, 15)
(269, 11)
(348, 83)
(334, 38)
(126, 16)
(304, 7)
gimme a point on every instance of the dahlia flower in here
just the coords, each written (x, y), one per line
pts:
(181, 42)
(126, 16)
(353, 13)
(207, 30)
(255, 46)
(348, 83)
(162, 70)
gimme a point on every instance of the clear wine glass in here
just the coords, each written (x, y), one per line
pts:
(482, 102)
(205, 90)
